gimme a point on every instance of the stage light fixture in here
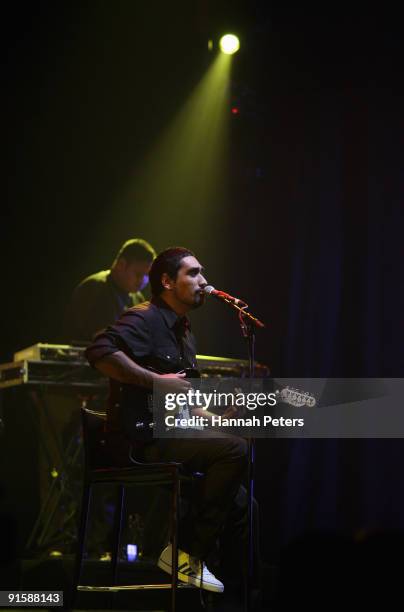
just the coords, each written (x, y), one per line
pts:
(229, 44)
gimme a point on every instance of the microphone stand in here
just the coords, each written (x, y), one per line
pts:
(248, 323)
(248, 332)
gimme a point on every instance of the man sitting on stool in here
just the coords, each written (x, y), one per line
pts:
(155, 337)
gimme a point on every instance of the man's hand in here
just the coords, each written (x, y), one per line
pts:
(174, 383)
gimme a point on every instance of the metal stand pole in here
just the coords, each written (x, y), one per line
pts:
(248, 332)
(248, 323)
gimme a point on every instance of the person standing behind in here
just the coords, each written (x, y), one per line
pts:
(101, 298)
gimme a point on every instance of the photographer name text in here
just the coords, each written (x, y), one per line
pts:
(220, 421)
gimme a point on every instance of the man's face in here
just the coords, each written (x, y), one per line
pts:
(187, 288)
(132, 275)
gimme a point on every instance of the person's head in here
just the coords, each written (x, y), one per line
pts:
(176, 276)
(131, 266)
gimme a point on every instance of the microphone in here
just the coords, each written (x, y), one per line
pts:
(221, 295)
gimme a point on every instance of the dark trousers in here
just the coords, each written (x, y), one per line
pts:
(223, 462)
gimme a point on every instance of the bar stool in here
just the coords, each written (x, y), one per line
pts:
(148, 474)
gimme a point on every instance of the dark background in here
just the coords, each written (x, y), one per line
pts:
(311, 231)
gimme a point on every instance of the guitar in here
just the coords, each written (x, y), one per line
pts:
(297, 398)
(287, 395)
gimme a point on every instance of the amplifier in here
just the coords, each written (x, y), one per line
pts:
(51, 352)
(64, 364)
(225, 366)
(212, 366)
(56, 373)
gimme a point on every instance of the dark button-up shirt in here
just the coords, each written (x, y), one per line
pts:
(153, 336)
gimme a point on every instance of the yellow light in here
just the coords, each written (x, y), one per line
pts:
(229, 44)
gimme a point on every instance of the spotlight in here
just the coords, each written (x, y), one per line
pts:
(229, 44)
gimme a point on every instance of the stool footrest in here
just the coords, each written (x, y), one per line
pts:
(132, 587)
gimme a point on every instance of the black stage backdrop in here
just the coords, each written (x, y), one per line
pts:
(311, 229)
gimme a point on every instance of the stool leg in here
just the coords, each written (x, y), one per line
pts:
(81, 536)
(116, 537)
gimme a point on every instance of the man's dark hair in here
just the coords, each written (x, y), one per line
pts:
(136, 249)
(169, 262)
